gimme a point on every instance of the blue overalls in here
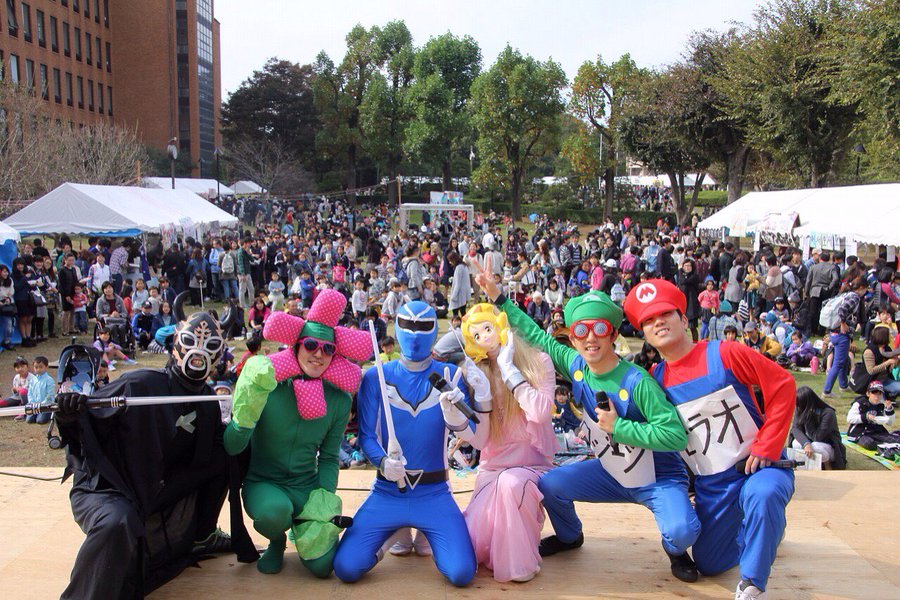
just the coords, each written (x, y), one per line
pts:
(429, 506)
(588, 481)
(741, 516)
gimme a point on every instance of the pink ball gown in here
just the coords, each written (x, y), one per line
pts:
(505, 516)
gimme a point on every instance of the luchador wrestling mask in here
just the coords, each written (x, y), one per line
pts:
(416, 330)
(485, 329)
(199, 341)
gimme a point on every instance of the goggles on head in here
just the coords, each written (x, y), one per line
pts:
(600, 327)
(311, 344)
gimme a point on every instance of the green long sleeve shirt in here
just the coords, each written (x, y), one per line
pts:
(662, 430)
(290, 450)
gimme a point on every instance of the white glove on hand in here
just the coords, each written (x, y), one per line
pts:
(453, 417)
(392, 469)
(476, 378)
(512, 377)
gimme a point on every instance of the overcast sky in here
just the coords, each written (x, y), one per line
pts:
(569, 31)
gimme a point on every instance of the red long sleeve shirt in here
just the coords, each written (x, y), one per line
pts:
(752, 369)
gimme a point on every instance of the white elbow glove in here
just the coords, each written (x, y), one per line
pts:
(481, 386)
(392, 469)
(512, 377)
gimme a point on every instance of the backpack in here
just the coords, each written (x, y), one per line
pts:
(402, 275)
(829, 317)
(227, 263)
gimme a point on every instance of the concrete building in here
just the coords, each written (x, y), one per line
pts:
(150, 65)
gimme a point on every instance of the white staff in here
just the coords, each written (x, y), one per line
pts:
(113, 402)
(394, 450)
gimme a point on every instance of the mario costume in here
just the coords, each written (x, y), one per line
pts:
(638, 463)
(294, 424)
(422, 498)
(742, 516)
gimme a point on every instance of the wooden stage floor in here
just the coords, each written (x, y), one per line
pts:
(843, 541)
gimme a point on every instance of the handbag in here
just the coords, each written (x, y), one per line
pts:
(38, 298)
(8, 310)
(859, 378)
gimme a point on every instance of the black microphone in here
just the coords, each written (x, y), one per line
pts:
(778, 464)
(602, 400)
(441, 385)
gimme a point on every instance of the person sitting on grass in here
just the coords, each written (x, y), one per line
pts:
(21, 379)
(801, 351)
(111, 350)
(815, 430)
(41, 389)
(869, 418)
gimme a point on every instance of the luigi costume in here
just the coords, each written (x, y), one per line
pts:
(639, 462)
(294, 425)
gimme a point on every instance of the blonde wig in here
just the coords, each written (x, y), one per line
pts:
(526, 358)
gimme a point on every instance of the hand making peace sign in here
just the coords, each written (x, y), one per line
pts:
(485, 279)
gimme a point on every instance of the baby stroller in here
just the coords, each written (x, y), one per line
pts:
(120, 333)
(77, 371)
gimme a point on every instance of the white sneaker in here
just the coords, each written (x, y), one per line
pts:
(747, 591)
(421, 545)
(403, 544)
(529, 577)
(401, 549)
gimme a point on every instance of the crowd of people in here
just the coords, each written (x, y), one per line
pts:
(535, 317)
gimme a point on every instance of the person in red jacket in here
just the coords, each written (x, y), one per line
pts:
(733, 442)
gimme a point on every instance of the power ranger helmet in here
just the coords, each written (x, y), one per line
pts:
(416, 330)
(199, 341)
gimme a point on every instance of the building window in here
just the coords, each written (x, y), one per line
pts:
(106, 15)
(96, 11)
(99, 97)
(11, 23)
(78, 43)
(67, 46)
(26, 22)
(54, 35)
(87, 8)
(41, 33)
(57, 86)
(29, 75)
(64, 2)
(108, 58)
(90, 87)
(2, 71)
(75, 5)
(45, 83)
(88, 48)
(68, 89)
(109, 100)
(99, 54)
(14, 68)
(80, 82)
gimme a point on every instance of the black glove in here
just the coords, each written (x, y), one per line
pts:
(70, 406)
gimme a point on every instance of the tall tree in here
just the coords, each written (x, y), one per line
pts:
(444, 71)
(778, 82)
(662, 127)
(599, 93)
(275, 102)
(865, 53)
(338, 93)
(516, 105)
(385, 112)
(723, 136)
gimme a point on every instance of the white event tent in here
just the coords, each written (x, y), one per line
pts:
(82, 209)
(862, 213)
(203, 187)
(246, 187)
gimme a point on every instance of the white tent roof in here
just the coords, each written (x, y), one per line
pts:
(246, 187)
(198, 186)
(83, 209)
(656, 180)
(865, 213)
(8, 233)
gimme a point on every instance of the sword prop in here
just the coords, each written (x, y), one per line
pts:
(394, 450)
(114, 402)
